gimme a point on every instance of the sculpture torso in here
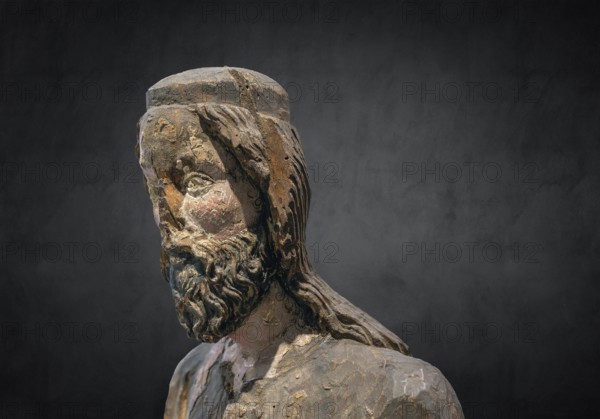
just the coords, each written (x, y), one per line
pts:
(320, 377)
(226, 175)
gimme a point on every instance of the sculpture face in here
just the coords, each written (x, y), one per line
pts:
(208, 213)
(202, 182)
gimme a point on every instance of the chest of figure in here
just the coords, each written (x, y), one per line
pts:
(306, 392)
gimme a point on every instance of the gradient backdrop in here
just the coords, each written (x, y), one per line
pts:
(453, 154)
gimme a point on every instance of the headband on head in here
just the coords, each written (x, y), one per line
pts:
(222, 85)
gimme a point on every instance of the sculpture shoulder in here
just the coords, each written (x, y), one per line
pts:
(398, 385)
(420, 390)
(192, 361)
(189, 379)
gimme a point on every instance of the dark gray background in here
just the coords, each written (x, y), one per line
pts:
(438, 134)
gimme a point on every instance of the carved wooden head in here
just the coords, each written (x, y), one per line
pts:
(227, 178)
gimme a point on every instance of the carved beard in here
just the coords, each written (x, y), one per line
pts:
(215, 283)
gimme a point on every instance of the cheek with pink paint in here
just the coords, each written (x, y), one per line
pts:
(216, 211)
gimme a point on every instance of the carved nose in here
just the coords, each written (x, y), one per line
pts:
(169, 204)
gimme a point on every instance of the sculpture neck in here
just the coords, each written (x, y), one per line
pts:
(276, 319)
(271, 331)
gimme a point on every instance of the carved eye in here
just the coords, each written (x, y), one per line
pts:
(195, 183)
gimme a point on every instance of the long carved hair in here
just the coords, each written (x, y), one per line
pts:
(269, 151)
